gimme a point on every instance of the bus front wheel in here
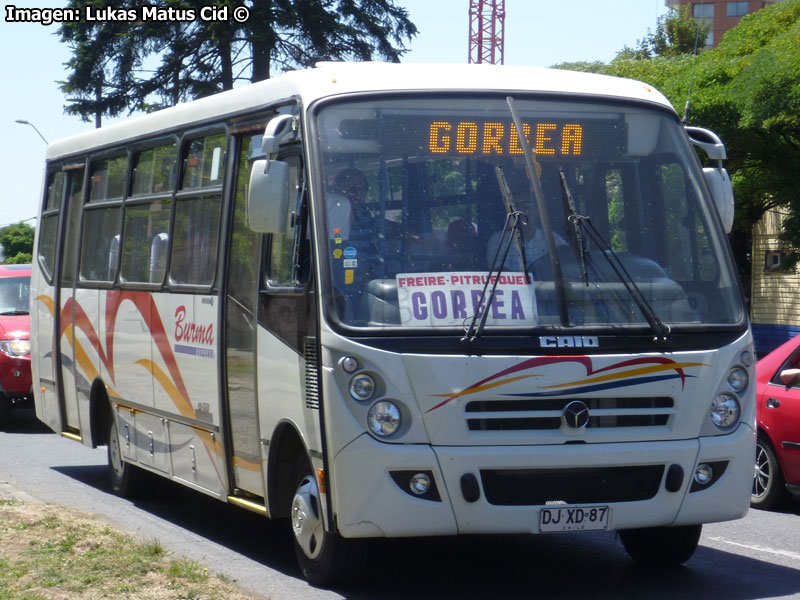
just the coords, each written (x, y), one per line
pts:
(661, 546)
(324, 557)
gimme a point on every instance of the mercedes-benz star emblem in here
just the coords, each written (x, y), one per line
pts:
(576, 414)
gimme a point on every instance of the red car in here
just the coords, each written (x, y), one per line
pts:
(777, 472)
(15, 343)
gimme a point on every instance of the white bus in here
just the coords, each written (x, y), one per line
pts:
(385, 300)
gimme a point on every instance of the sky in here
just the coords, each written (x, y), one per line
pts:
(538, 33)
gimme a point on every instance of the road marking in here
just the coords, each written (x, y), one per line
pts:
(774, 551)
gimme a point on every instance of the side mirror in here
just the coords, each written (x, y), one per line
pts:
(278, 128)
(722, 191)
(708, 141)
(268, 196)
(717, 177)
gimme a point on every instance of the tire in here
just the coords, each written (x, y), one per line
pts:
(324, 557)
(769, 486)
(661, 546)
(124, 477)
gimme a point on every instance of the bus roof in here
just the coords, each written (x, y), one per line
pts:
(331, 79)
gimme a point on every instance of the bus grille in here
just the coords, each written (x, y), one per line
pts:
(537, 487)
(528, 414)
(312, 373)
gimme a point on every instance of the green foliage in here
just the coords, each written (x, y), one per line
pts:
(597, 66)
(17, 242)
(147, 64)
(23, 258)
(748, 91)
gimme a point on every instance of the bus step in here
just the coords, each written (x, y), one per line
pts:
(255, 504)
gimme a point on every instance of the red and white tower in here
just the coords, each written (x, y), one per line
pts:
(486, 29)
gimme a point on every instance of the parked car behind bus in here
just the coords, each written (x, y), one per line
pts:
(777, 472)
(15, 344)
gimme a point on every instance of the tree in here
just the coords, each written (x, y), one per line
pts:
(146, 61)
(677, 32)
(17, 243)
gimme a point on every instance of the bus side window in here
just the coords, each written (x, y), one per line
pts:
(113, 258)
(143, 236)
(69, 260)
(100, 243)
(158, 257)
(102, 219)
(195, 235)
(49, 225)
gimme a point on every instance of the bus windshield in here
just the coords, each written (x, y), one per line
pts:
(414, 214)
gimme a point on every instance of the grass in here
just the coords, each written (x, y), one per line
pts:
(51, 552)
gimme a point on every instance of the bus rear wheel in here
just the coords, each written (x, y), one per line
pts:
(661, 546)
(124, 477)
(324, 557)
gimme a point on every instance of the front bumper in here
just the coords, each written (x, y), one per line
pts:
(368, 501)
(15, 375)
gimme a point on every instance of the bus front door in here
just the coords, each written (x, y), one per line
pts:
(240, 332)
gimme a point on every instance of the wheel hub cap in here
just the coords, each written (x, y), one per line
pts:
(306, 519)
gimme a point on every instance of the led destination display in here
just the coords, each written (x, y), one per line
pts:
(443, 135)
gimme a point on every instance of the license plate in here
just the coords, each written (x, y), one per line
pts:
(588, 518)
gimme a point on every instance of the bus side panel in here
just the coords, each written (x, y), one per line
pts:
(185, 370)
(281, 392)
(68, 358)
(87, 353)
(185, 356)
(42, 323)
(197, 459)
(129, 344)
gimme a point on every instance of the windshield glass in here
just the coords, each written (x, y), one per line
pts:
(14, 292)
(414, 215)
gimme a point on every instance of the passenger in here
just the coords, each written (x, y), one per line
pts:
(461, 239)
(532, 235)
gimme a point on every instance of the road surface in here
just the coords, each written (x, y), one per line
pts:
(756, 557)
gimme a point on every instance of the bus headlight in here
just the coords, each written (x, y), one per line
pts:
(384, 418)
(725, 411)
(738, 379)
(15, 348)
(362, 387)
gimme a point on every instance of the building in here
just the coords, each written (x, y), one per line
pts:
(722, 14)
(775, 312)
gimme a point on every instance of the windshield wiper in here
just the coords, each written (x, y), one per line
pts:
(576, 226)
(508, 201)
(13, 311)
(511, 227)
(581, 222)
(533, 175)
